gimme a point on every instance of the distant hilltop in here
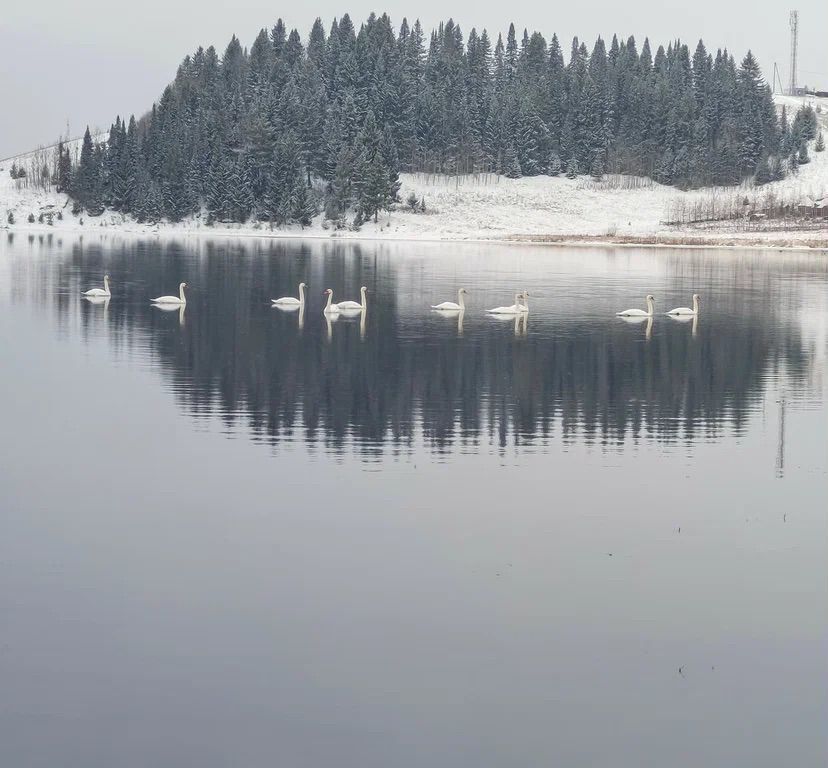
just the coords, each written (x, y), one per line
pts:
(328, 132)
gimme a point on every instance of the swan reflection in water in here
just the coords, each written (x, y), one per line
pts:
(173, 308)
(521, 325)
(330, 319)
(346, 314)
(351, 313)
(289, 308)
(459, 314)
(692, 320)
(640, 320)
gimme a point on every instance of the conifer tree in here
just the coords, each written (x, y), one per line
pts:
(64, 169)
(511, 164)
(554, 165)
(349, 110)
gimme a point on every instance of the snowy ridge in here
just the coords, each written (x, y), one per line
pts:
(538, 208)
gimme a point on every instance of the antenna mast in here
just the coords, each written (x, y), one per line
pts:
(792, 90)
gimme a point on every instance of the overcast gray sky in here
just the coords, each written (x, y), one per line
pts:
(87, 60)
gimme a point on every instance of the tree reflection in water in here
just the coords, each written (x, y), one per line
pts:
(395, 372)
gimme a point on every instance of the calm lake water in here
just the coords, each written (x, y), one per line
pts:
(237, 537)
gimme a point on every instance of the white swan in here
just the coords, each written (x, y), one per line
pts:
(514, 309)
(678, 311)
(524, 307)
(172, 299)
(93, 292)
(330, 307)
(450, 306)
(291, 301)
(356, 304)
(639, 312)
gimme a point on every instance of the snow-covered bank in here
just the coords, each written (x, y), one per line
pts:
(536, 209)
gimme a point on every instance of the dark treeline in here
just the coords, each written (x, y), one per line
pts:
(293, 127)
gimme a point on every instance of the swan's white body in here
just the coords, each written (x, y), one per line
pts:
(514, 309)
(355, 304)
(686, 311)
(639, 312)
(99, 292)
(180, 299)
(450, 306)
(292, 301)
(330, 307)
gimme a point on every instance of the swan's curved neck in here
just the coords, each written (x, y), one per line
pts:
(525, 300)
(301, 293)
(106, 283)
(363, 297)
(696, 304)
(181, 293)
(649, 306)
(460, 299)
(330, 299)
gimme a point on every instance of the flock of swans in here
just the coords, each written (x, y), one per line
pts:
(520, 308)
(106, 293)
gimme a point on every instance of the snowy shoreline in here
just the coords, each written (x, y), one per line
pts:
(724, 241)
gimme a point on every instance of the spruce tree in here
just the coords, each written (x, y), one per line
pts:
(377, 191)
(234, 131)
(553, 167)
(86, 183)
(511, 164)
(304, 205)
(764, 173)
(64, 169)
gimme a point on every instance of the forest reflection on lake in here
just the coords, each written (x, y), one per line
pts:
(234, 535)
(572, 372)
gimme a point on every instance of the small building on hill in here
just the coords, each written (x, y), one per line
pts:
(814, 209)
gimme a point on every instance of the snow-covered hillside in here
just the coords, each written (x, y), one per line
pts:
(534, 208)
